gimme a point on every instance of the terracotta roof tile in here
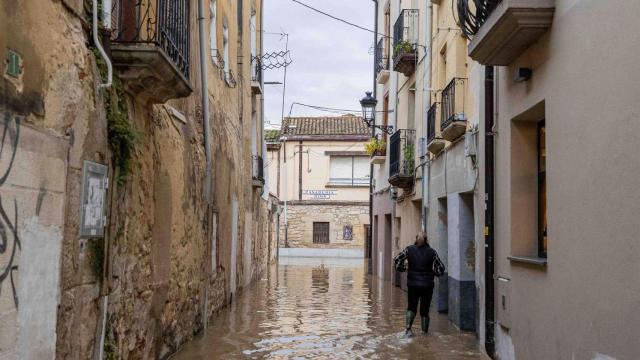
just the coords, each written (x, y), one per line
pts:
(339, 125)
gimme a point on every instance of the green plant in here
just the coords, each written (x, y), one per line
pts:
(408, 154)
(95, 250)
(122, 136)
(375, 146)
(402, 47)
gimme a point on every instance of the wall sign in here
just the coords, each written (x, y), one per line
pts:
(347, 232)
(94, 190)
(320, 194)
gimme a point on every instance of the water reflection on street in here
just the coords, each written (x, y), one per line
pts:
(324, 309)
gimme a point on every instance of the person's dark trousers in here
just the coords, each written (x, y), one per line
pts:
(421, 294)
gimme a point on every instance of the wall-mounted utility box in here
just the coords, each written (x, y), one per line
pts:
(93, 202)
(503, 302)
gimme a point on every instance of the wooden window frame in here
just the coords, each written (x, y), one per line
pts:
(542, 189)
(320, 236)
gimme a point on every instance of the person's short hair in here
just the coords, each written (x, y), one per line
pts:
(421, 238)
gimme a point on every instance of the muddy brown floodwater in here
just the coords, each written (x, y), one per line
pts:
(324, 309)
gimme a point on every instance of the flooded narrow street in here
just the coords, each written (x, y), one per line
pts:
(324, 309)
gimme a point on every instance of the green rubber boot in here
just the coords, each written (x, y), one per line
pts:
(409, 317)
(424, 321)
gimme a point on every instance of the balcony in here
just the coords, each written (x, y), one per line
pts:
(435, 144)
(256, 75)
(453, 121)
(402, 153)
(382, 61)
(150, 48)
(405, 41)
(257, 171)
(507, 28)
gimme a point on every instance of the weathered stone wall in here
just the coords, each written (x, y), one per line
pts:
(49, 124)
(167, 252)
(301, 217)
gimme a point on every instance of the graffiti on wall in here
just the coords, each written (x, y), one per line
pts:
(9, 239)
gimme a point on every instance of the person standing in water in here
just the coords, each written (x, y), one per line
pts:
(420, 280)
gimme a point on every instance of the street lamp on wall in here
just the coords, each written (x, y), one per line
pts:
(368, 108)
(368, 104)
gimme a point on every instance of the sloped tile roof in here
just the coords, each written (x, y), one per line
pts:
(325, 126)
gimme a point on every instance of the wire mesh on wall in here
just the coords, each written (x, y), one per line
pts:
(275, 60)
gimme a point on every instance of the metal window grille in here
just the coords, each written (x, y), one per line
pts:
(452, 102)
(431, 123)
(320, 232)
(402, 153)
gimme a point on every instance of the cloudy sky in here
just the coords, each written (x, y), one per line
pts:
(332, 61)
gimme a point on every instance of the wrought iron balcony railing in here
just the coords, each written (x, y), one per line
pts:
(431, 122)
(405, 41)
(382, 55)
(474, 15)
(405, 30)
(402, 152)
(164, 23)
(453, 102)
(257, 168)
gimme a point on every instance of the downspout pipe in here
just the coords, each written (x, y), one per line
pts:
(368, 255)
(204, 82)
(98, 44)
(105, 57)
(489, 244)
(426, 102)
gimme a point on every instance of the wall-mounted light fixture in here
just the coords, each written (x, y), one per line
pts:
(368, 104)
(522, 74)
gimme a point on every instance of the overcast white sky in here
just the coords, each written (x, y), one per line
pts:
(332, 62)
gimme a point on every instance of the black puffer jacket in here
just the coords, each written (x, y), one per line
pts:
(420, 272)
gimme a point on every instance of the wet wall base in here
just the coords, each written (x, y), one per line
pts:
(462, 303)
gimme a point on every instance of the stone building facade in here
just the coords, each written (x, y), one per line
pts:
(171, 256)
(346, 221)
(322, 173)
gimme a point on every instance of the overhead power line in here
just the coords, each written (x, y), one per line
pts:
(329, 109)
(339, 19)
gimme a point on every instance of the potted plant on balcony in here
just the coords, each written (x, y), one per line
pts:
(402, 47)
(376, 147)
(408, 154)
(404, 57)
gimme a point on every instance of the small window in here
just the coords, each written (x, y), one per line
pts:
(213, 30)
(349, 170)
(225, 47)
(320, 232)
(542, 190)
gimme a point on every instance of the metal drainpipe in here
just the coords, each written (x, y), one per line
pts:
(489, 212)
(96, 41)
(105, 57)
(373, 134)
(426, 100)
(204, 83)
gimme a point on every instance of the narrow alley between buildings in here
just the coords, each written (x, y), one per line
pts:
(325, 309)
